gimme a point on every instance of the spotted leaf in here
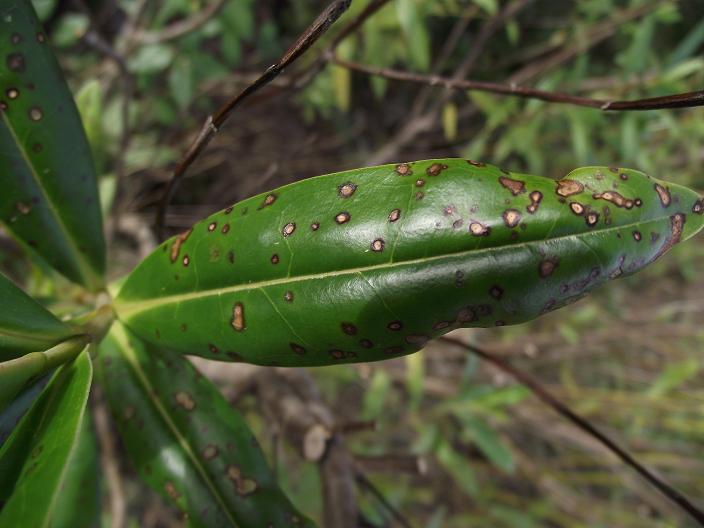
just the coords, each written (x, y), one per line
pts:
(25, 325)
(34, 461)
(372, 263)
(49, 199)
(186, 440)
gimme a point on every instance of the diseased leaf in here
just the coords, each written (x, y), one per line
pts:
(25, 325)
(185, 439)
(34, 460)
(49, 199)
(370, 264)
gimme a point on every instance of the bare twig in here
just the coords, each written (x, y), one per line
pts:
(379, 496)
(180, 28)
(321, 24)
(684, 100)
(546, 397)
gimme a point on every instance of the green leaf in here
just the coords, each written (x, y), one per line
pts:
(13, 413)
(50, 198)
(675, 375)
(185, 439)
(488, 442)
(152, 58)
(17, 373)
(25, 325)
(80, 493)
(35, 459)
(458, 468)
(369, 264)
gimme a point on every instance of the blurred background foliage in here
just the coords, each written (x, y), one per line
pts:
(454, 442)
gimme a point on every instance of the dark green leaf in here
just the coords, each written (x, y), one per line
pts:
(13, 413)
(25, 325)
(369, 264)
(34, 460)
(185, 439)
(50, 197)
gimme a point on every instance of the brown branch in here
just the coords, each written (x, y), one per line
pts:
(180, 28)
(379, 496)
(546, 397)
(684, 100)
(321, 24)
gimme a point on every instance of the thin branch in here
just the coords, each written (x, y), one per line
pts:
(180, 28)
(683, 100)
(321, 24)
(546, 397)
(379, 496)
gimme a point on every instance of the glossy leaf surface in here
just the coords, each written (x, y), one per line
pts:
(49, 196)
(35, 459)
(371, 263)
(185, 439)
(25, 325)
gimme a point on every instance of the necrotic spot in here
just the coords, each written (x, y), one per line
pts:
(366, 343)
(349, 328)
(274, 259)
(377, 245)
(342, 218)
(403, 169)
(394, 215)
(186, 260)
(12, 93)
(511, 217)
(238, 317)
(212, 226)
(298, 349)
(347, 189)
(15, 62)
(395, 325)
(315, 226)
(420, 183)
(288, 229)
(637, 236)
(435, 169)
(288, 296)
(35, 113)
(225, 229)
(478, 229)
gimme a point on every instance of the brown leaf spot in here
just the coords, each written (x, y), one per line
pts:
(12, 93)
(288, 229)
(238, 317)
(298, 349)
(337, 354)
(171, 491)
(176, 244)
(15, 38)
(244, 485)
(185, 400)
(274, 259)
(547, 267)
(441, 325)
(395, 326)
(592, 218)
(342, 218)
(435, 169)
(16, 63)
(615, 198)
(476, 163)
(377, 245)
(366, 343)
(35, 113)
(663, 194)
(420, 195)
(212, 226)
(186, 261)
(231, 257)
(569, 187)
(676, 227)
(511, 217)
(577, 208)
(210, 452)
(213, 349)
(349, 328)
(698, 207)
(346, 189)
(315, 226)
(417, 340)
(479, 229)
(515, 186)
(225, 229)
(496, 292)
(637, 236)
(420, 183)
(288, 296)
(23, 208)
(269, 199)
(229, 210)
(395, 350)
(403, 169)
(394, 215)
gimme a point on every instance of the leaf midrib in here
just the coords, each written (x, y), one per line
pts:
(84, 266)
(125, 310)
(126, 349)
